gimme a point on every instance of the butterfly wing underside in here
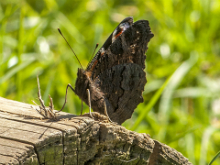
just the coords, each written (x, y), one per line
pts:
(122, 86)
(116, 75)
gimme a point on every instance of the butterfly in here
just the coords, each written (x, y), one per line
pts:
(115, 77)
(113, 82)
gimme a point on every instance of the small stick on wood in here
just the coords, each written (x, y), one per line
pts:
(47, 113)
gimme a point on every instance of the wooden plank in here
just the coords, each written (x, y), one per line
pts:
(13, 150)
(27, 129)
(23, 109)
(7, 160)
(32, 135)
(26, 138)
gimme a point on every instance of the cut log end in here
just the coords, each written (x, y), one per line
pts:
(27, 139)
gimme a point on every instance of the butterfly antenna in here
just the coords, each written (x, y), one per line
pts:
(93, 54)
(69, 46)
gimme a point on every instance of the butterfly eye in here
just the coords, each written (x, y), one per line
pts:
(119, 30)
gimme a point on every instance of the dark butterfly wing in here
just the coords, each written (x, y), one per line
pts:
(116, 75)
(127, 22)
(122, 86)
(129, 47)
(120, 71)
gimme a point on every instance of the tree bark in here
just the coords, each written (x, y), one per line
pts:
(26, 138)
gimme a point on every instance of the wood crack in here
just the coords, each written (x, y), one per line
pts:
(77, 141)
(23, 141)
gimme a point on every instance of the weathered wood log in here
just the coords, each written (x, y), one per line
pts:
(27, 139)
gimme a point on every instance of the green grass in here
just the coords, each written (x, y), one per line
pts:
(182, 96)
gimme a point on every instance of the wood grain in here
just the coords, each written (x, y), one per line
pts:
(26, 138)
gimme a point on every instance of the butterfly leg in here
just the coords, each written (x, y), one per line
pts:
(89, 101)
(106, 112)
(66, 96)
(81, 107)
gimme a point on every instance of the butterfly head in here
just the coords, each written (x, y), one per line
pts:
(82, 83)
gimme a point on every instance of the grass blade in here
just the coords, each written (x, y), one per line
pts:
(216, 156)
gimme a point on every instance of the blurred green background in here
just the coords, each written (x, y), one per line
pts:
(182, 96)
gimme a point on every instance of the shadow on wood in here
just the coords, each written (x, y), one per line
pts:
(27, 139)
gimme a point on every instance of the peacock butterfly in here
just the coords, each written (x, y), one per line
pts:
(115, 77)
(113, 82)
